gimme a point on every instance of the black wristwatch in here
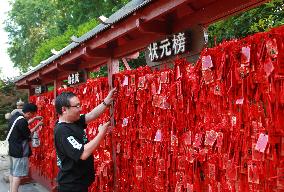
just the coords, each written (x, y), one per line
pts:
(105, 103)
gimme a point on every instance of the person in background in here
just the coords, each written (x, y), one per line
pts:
(19, 109)
(74, 151)
(19, 148)
(19, 105)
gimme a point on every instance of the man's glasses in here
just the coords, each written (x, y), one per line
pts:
(77, 106)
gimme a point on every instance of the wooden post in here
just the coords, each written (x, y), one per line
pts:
(29, 93)
(54, 88)
(113, 67)
(56, 85)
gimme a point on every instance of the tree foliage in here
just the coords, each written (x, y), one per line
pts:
(259, 19)
(31, 24)
(60, 41)
(8, 98)
(35, 27)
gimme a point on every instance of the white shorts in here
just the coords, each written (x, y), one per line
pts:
(19, 167)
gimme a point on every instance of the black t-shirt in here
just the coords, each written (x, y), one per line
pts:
(20, 137)
(74, 174)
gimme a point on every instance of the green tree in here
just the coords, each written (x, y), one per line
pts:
(8, 98)
(259, 19)
(35, 27)
(31, 23)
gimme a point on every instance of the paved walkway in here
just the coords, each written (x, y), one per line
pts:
(4, 186)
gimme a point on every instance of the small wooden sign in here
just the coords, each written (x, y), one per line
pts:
(188, 43)
(75, 78)
(40, 89)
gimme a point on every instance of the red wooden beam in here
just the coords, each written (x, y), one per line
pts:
(71, 56)
(90, 55)
(152, 23)
(151, 12)
(135, 45)
(93, 64)
(213, 12)
(156, 26)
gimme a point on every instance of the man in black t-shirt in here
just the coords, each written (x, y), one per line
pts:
(19, 148)
(74, 151)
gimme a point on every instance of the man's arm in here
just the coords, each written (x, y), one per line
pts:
(93, 144)
(36, 127)
(35, 118)
(98, 110)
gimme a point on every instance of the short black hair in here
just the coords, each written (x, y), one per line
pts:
(29, 107)
(63, 100)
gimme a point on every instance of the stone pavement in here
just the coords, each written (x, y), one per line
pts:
(4, 186)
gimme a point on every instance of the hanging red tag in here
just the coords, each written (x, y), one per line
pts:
(125, 81)
(219, 139)
(182, 162)
(192, 155)
(158, 136)
(159, 183)
(245, 56)
(187, 138)
(125, 122)
(211, 171)
(179, 89)
(118, 148)
(206, 62)
(197, 140)
(85, 90)
(219, 88)
(240, 101)
(155, 101)
(202, 155)
(231, 171)
(164, 77)
(141, 82)
(268, 66)
(178, 73)
(280, 178)
(132, 80)
(189, 187)
(105, 171)
(161, 165)
(174, 141)
(208, 76)
(210, 137)
(282, 146)
(178, 187)
(271, 46)
(253, 173)
(153, 89)
(163, 104)
(261, 143)
(255, 128)
(139, 171)
(256, 155)
(244, 165)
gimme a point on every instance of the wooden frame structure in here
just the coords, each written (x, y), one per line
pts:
(137, 25)
(129, 30)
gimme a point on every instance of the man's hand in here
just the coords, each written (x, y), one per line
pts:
(38, 117)
(34, 119)
(104, 128)
(40, 123)
(94, 143)
(37, 127)
(98, 110)
(111, 96)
